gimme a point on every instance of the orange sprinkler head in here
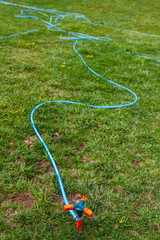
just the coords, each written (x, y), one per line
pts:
(68, 207)
(84, 198)
(88, 212)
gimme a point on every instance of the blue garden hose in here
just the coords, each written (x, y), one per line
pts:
(57, 15)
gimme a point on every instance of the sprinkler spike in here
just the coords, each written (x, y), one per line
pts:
(79, 224)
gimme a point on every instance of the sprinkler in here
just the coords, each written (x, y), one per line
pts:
(79, 207)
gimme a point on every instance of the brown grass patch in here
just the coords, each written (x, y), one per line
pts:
(26, 199)
(136, 163)
(55, 136)
(67, 156)
(81, 147)
(47, 167)
(71, 199)
(43, 165)
(31, 141)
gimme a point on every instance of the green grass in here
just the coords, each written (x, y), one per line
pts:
(110, 156)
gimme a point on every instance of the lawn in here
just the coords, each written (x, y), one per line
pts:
(109, 155)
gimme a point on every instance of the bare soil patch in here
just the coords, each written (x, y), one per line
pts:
(26, 199)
